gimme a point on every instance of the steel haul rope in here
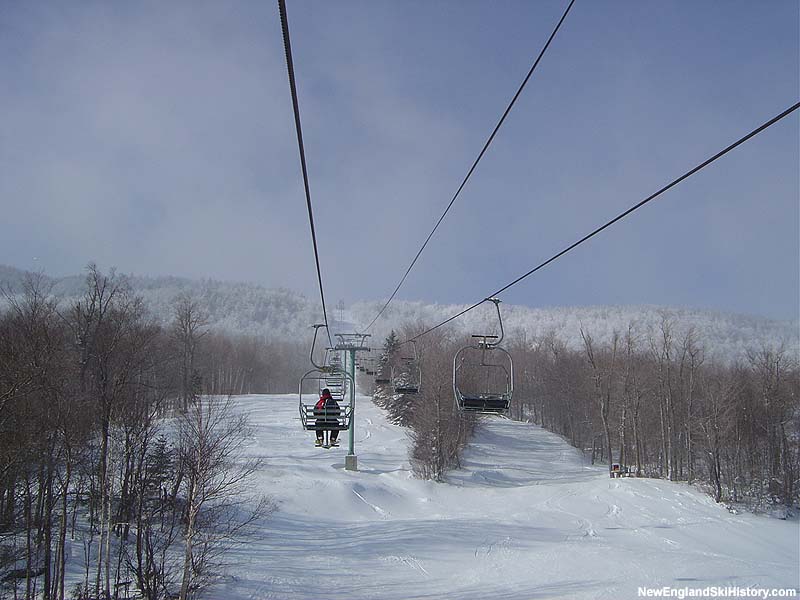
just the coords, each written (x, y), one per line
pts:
(650, 198)
(290, 67)
(474, 165)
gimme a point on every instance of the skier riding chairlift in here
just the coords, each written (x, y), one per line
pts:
(327, 412)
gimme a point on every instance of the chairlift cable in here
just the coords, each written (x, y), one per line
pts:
(472, 168)
(619, 217)
(290, 68)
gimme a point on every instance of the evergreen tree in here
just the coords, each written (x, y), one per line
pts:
(390, 347)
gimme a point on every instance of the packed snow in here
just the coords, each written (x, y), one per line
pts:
(526, 517)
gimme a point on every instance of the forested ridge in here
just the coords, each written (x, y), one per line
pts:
(248, 309)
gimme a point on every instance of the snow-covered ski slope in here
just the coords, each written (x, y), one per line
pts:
(525, 518)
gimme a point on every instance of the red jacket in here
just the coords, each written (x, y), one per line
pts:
(321, 402)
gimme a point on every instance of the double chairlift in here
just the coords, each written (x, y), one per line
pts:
(380, 376)
(406, 378)
(483, 380)
(331, 375)
(369, 367)
(483, 374)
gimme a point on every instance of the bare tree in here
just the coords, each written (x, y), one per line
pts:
(188, 328)
(691, 358)
(604, 373)
(661, 350)
(212, 443)
(776, 380)
(438, 431)
(715, 421)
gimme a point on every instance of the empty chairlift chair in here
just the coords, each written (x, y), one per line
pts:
(483, 374)
(380, 376)
(336, 382)
(407, 378)
(369, 368)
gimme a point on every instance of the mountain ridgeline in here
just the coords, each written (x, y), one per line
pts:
(252, 310)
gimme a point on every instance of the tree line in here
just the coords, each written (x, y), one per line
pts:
(651, 401)
(648, 401)
(118, 443)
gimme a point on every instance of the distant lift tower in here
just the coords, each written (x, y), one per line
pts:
(351, 343)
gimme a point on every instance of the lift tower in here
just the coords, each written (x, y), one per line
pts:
(351, 343)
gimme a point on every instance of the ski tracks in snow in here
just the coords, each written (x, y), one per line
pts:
(409, 561)
(525, 518)
(375, 507)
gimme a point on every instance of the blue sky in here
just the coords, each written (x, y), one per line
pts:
(158, 138)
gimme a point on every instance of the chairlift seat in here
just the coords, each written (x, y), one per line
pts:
(484, 403)
(406, 389)
(315, 419)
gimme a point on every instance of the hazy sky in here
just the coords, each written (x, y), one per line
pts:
(158, 137)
